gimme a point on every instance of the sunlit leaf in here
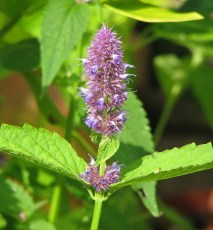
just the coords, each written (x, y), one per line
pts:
(64, 23)
(148, 13)
(41, 147)
(168, 164)
(133, 146)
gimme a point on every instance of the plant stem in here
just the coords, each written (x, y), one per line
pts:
(163, 120)
(7, 27)
(55, 203)
(97, 211)
(75, 135)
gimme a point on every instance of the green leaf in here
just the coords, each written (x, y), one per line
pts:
(43, 148)
(168, 164)
(13, 8)
(23, 56)
(107, 148)
(78, 219)
(148, 13)
(172, 73)
(202, 84)
(41, 224)
(64, 23)
(147, 193)
(135, 138)
(3, 222)
(15, 201)
(134, 146)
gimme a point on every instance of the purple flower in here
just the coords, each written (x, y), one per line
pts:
(106, 91)
(101, 183)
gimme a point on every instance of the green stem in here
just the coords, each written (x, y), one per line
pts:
(163, 120)
(55, 203)
(7, 27)
(81, 140)
(97, 211)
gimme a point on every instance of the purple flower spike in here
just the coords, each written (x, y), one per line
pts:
(101, 183)
(107, 77)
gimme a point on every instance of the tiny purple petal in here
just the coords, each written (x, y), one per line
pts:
(116, 58)
(105, 71)
(94, 69)
(101, 183)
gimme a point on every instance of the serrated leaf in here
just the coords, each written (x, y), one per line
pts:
(64, 23)
(15, 201)
(135, 138)
(107, 148)
(23, 56)
(168, 164)
(133, 146)
(43, 148)
(148, 13)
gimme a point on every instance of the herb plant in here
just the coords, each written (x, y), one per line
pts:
(56, 45)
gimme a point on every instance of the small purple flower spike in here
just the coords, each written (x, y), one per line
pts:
(106, 93)
(101, 183)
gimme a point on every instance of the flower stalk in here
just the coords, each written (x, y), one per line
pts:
(104, 96)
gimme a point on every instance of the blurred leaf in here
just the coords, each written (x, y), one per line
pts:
(45, 178)
(41, 224)
(202, 84)
(60, 36)
(127, 209)
(107, 148)
(167, 164)
(15, 201)
(148, 13)
(23, 56)
(13, 7)
(133, 145)
(77, 220)
(172, 73)
(161, 3)
(135, 138)
(147, 193)
(197, 32)
(117, 219)
(3, 222)
(43, 148)
(205, 6)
